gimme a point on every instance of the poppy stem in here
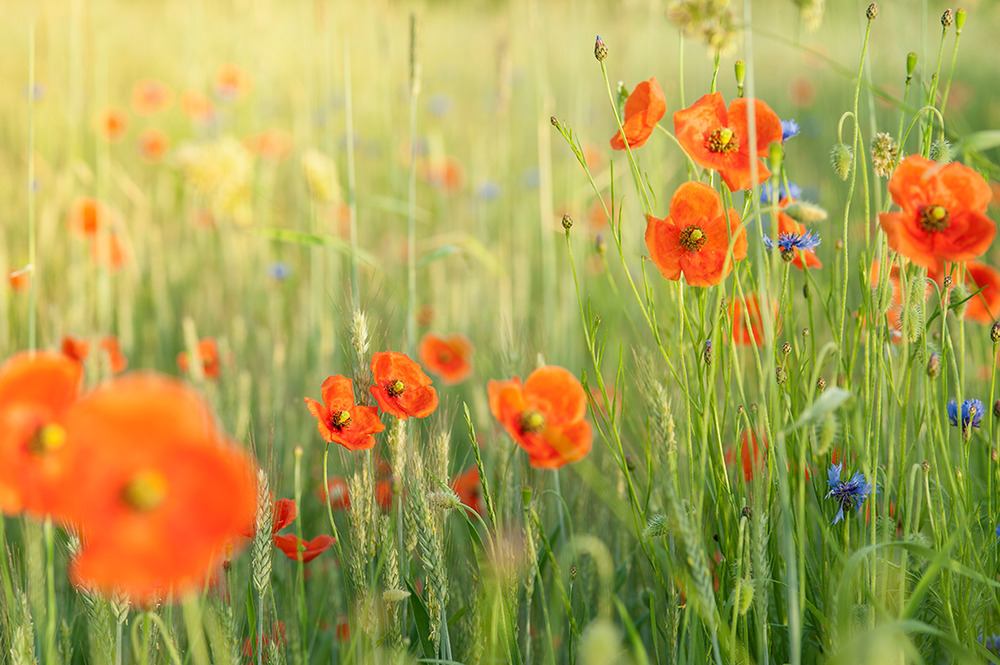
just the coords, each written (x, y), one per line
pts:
(50, 596)
(32, 247)
(411, 209)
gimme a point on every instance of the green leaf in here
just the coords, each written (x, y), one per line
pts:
(422, 621)
(979, 141)
(438, 254)
(316, 240)
(831, 400)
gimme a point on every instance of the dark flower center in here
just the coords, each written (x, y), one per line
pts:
(395, 388)
(723, 140)
(445, 357)
(340, 419)
(692, 238)
(46, 439)
(146, 491)
(532, 422)
(934, 218)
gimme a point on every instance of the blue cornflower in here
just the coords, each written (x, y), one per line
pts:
(972, 413)
(990, 642)
(793, 191)
(788, 242)
(789, 128)
(279, 271)
(850, 494)
(489, 190)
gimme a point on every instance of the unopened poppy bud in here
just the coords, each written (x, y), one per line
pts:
(567, 222)
(526, 496)
(780, 375)
(600, 50)
(885, 152)
(842, 159)
(960, 295)
(821, 384)
(600, 244)
(959, 20)
(741, 72)
(872, 12)
(934, 366)
(926, 466)
(786, 348)
(911, 64)
(941, 151)
(947, 19)
(995, 332)
(629, 462)
(805, 212)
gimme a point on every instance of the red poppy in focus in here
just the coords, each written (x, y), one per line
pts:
(694, 238)
(87, 216)
(298, 549)
(231, 82)
(447, 356)
(117, 362)
(111, 124)
(150, 96)
(401, 387)
(545, 416)
(341, 420)
(943, 214)
(208, 350)
(35, 391)
(470, 492)
(153, 143)
(197, 106)
(645, 107)
(720, 140)
(340, 497)
(155, 518)
(803, 259)
(751, 455)
(75, 348)
(739, 312)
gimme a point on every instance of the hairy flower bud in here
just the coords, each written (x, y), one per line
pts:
(842, 159)
(941, 151)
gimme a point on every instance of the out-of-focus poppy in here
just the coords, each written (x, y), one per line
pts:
(231, 82)
(87, 216)
(447, 356)
(340, 497)
(401, 387)
(739, 312)
(150, 96)
(299, 549)
(466, 485)
(545, 416)
(107, 249)
(111, 124)
(984, 307)
(153, 143)
(197, 106)
(750, 455)
(273, 144)
(19, 280)
(208, 349)
(75, 348)
(341, 420)
(643, 109)
(276, 636)
(117, 362)
(445, 173)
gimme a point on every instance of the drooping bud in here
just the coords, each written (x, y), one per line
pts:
(941, 151)
(885, 152)
(947, 19)
(842, 160)
(805, 212)
(872, 12)
(600, 49)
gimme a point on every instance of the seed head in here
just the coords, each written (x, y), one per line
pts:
(926, 466)
(885, 152)
(707, 352)
(600, 50)
(842, 159)
(947, 19)
(872, 12)
(805, 332)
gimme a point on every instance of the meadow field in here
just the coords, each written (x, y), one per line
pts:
(507, 331)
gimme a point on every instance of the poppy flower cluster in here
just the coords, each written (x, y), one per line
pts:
(137, 467)
(401, 389)
(544, 415)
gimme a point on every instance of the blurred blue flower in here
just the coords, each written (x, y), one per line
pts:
(439, 104)
(531, 177)
(991, 643)
(36, 91)
(850, 494)
(279, 271)
(789, 128)
(489, 190)
(767, 190)
(788, 242)
(972, 413)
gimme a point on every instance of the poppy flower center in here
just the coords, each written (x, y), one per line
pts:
(445, 357)
(723, 140)
(146, 491)
(340, 419)
(47, 439)
(934, 218)
(692, 238)
(395, 388)
(532, 422)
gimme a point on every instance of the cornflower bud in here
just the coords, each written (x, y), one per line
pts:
(707, 353)
(805, 332)
(947, 19)
(934, 366)
(821, 384)
(567, 222)
(780, 375)
(786, 348)
(872, 12)
(995, 332)
(926, 466)
(600, 50)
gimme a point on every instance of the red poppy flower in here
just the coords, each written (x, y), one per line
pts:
(739, 312)
(35, 391)
(107, 250)
(298, 549)
(88, 215)
(154, 518)
(694, 238)
(153, 143)
(111, 124)
(720, 140)
(340, 498)
(445, 173)
(384, 494)
(75, 348)
(341, 420)
(276, 637)
(803, 259)
(117, 362)
(447, 356)
(401, 387)
(466, 485)
(643, 109)
(751, 455)
(273, 144)
(150, 96)
(231, 82)
(19, 280)
(343, 631)
(208, 350)
(545, 416)
(943, 214)
(985, 307)
(283, 513)
(197, 106)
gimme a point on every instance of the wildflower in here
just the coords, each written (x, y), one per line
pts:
(87, 216)
(150, 96)
(984, 307)
(231, 82)
(600, 49)
(117, 362)
(341, 420)
(943, 212)
(885, 151)
(299, 549)
(153, 143)
(445, 173)
(340, 498)
(488, 190)
(156, 517)
(35, 391)
(972, 413)
(111, 124)
(197, 106)
(275, 637)
(401, 387)
(447, 356)
(107, 249)
(279, 271)
(283, 513)
(742, 311)
(850, 494)
(789, 128)
(749, 453)
(272, 144)
(789, 243)
(545, 415)
(720, 140)
(644, 108)
(74, 348)
(19, 280)
(708, 21)
(208, 352)
(694, 238)
(794, 241)
(466, 485)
